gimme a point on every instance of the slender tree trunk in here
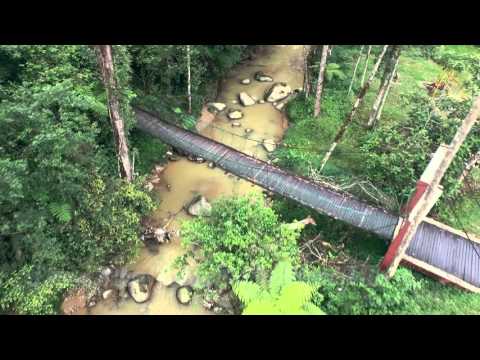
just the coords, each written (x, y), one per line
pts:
(473, 162)
(105, 60)
(306, 79)
(321, 77)
(355, 69)
(366, 66)
(350, 116)
(387, 77)
(189, 75)
(389, 85)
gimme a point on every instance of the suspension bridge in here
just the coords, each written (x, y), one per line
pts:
(436, 249)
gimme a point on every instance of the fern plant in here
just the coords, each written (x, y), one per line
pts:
(283, 295)
(61, 212)
(334, 71)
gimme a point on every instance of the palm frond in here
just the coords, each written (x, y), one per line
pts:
(61, 212)
(294, 296)
(334, 71)
(281, 276)
(261, 307)
(247, 291)
(313, 309)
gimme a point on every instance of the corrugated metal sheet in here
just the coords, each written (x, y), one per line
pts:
(449, 252)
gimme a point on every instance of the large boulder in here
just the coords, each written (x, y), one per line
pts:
(199, 207)
(216, 106)
(269, 145)
(262, 77)
(140, 287)
(245, 81)
(278, 92)
(245, 99)
(161, 236)
(109, 294)
(234, 114)
(184, 294)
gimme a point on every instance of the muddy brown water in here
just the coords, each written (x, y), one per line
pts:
(187, 179)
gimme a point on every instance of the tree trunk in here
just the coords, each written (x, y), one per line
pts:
(350, 116)
(355, 69)
(469, 166)
(387, 78)
(321, 77)
(105, 60)
(306, 79)
(189, 76)
(366, 66)
(389, 85)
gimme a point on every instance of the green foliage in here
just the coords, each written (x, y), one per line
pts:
(284, 295)
(62, 212)
(397, 153)
(241, 240)
(356, 295)
(22, 294)
(108, 223)
(308, 138)
(391, 156)
(160, 71)
(148, 151)
(188, 121)
(459, 58)
(63, 209)
(334, 71)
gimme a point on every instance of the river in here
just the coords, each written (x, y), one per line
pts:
(187, 179)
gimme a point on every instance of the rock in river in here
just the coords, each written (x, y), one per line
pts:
(108, 294)
(184, 294)
(262, 77)
(236, 124)
(161, 235)
(216, 106)
(140, 287)
(269, 145)
(235, 114)
(199, 206)
(278, 92)
(245, 81)
(171, 156)
(245, 99)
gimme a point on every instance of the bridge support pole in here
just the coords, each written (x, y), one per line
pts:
(427, 192)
